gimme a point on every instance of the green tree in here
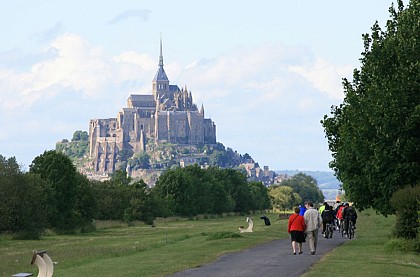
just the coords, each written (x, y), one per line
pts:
(202, 199)
(142, 204)
(259, 195)
(283, 197)
(222, 202)
(24, 209)
(176, 191)
(59, 171)
(238, 189)
(306, 186)
(80, 135)
(140, 160)
(374, 135)
(112, 200)
(86, 202)
(191, 190)
(120, 178)
(78, 146)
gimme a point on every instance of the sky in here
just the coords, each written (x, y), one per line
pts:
(266, 71)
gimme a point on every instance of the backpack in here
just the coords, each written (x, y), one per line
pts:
(327, 216)
(350, 212)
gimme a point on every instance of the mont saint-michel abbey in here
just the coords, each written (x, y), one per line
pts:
(167, 115)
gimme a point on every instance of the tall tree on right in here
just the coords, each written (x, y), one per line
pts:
(374, 135)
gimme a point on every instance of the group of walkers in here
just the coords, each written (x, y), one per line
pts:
(304, 223)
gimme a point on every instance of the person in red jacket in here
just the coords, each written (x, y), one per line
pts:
(339, 216)
(296, 228)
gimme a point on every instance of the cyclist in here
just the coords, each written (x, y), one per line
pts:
(339, 216)
(322, 208)
(349, 213)
(327, 218)
(337, 204)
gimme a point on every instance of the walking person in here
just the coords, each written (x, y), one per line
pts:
(302, 210)
(296, 228)
(313, 221)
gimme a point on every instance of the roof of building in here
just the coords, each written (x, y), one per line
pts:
(173, 88)
(160, 74)
(142, 98)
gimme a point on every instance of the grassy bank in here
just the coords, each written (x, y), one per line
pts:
(372, 253)
(115, 250)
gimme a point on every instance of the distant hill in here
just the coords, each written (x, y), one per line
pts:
(326, 180)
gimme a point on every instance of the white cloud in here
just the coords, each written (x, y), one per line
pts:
(259, 102)
(77, 64)
(243, 69)
(142, 60)
(324, 76)
(49, 99)
(257, 76)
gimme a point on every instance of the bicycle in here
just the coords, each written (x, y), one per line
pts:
(351, 229)
(341, 228)
(328, 231)
(336, 224)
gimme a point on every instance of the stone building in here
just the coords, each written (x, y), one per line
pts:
(167, 115)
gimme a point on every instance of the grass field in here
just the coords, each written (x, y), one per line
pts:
(115, 249)
(175, 244)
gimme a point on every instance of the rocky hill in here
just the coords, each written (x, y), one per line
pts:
(157, 157)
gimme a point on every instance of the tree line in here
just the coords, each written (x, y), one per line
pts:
(54, 195)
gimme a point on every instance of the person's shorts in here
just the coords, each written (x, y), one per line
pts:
(298, 236)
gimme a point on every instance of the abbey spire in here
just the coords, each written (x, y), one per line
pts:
(161, 55)
(161, 81)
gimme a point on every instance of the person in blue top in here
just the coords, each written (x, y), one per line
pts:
(302, 210)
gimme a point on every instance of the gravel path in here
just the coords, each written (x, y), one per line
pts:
(274, 258)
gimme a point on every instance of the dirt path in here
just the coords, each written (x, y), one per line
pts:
(270, 259)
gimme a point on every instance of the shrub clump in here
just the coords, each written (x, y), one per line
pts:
(403, 245)
(406, 202)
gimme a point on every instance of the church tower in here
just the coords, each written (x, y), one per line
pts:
(161, 81)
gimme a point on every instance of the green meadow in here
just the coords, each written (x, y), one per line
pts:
(173, 244)
(116, 249)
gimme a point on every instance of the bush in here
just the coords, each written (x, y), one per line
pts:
(27, 235)
(403, 245)
(406, 202)
(88, 228)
